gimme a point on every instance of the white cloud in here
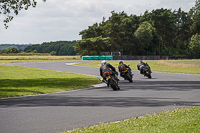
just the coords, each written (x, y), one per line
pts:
(57, 20)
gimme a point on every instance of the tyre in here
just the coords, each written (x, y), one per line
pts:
(118, 88)
(141, 70)
(113, 85)
(138, 66)
(149, 75)
(128, 77)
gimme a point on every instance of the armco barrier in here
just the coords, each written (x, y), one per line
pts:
(97, 57)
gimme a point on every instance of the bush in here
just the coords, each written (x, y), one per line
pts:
(53, 53)
(10, 50)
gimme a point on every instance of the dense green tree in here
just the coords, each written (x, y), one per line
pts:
(11, 50)
(115, 30)
(195, 14)
(92, 46)
(92, 31)
(164, 22)
(145, 35)
(60, 47)
(194, 45)
(182, 32)
(159, 32)
(119, 28)
(130, 42)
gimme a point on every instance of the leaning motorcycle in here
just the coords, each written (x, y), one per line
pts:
(145, 70)
(127, 74)
(112, 80)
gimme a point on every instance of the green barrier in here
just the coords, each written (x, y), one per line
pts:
(97, 57)
(102, 57)
(109, 58)
(86, 58)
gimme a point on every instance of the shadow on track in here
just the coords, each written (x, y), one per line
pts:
(65, 99)
(43, 101)
(161, 85)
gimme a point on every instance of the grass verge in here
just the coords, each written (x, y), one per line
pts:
(177, 121)
(38, 58)
(21, 81)
(175, 66)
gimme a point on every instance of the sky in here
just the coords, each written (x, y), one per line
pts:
(62, 20)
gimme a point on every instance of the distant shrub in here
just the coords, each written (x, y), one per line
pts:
(53, 53)
(10, 50)
(25, 54)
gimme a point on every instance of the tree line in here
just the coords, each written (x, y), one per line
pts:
(18, 46)
(159, 32)
(55, 48)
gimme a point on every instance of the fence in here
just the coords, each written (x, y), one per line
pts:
(183, 57)
(124, 57)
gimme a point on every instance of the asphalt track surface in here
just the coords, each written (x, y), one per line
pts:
(92, 106)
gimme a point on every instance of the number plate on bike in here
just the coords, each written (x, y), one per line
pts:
(146, 69)
(125, 70)
(108, 77)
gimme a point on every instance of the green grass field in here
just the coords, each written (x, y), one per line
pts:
(21, 81)
(168, 66)
(37, 58)
(176, 121)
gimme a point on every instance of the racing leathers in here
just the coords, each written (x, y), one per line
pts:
(123, 67)
(106, 68)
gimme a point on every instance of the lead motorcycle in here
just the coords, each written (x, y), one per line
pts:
(145, 70)
(112, 80)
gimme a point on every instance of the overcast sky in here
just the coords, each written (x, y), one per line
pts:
(57, 20)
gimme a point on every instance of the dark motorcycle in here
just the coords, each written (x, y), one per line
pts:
(112, 80)
(127, 74)
(145, 70)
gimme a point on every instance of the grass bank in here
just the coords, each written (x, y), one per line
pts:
(168, 66)
(38, 58)
(176, 121)
(21, 81)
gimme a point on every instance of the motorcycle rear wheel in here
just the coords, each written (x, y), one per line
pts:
(113, 85)
(149, 75)
(129, 78)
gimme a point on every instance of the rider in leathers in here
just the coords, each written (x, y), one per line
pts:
(105, 67)
(121, 66)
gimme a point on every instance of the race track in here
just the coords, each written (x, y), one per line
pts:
(91, 106)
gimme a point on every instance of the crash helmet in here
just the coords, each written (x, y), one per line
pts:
(103, 62)
(121, 62)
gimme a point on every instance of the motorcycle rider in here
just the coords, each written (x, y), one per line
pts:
(140, 64)
(123, 67)
(106, 67)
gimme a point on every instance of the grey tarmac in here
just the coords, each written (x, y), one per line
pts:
(92, 106)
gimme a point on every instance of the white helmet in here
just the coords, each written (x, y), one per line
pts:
(103, 62)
